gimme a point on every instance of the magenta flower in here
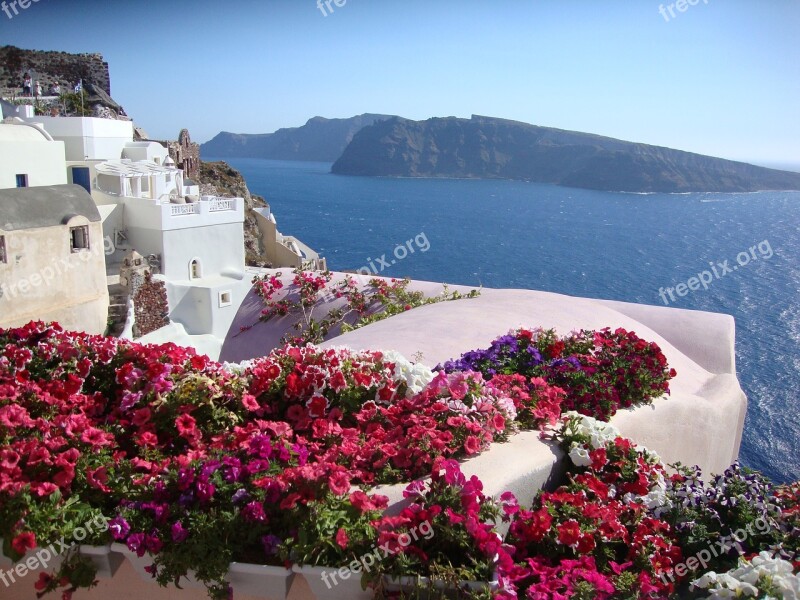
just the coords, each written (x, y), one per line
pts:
(119, 528)
(179, 532)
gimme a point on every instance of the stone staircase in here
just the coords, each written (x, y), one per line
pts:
(117, 309)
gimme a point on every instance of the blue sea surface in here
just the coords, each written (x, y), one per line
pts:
(509, 234)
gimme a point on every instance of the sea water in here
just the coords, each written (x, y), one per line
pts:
(619, 246)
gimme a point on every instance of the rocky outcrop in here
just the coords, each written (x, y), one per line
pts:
(485, 147)
(220, 179)
(50, 67)
(320, 139)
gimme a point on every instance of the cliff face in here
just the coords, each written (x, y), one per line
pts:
(219, 178)
(484, 147)
(50, 67)
(319, 139)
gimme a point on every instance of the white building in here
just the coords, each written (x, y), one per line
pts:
(52, 264)
(195, 243)
(29, 157)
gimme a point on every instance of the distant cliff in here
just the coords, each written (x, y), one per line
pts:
(485, 147)
(319, 139)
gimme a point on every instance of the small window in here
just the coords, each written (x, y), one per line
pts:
(3, 259)
(195, 270)
(224, 299)
(22, 180)
(79, 238)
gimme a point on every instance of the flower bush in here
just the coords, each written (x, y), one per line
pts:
(196, 464)
(600, 371)
(596, 534)
(623, 528)
(382, 298)
(447, 531)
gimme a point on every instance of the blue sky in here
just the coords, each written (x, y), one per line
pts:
(721, 78)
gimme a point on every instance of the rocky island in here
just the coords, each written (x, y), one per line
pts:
(320, 139)
(491, 148)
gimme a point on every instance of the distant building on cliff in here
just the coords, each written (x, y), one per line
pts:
(185, 153)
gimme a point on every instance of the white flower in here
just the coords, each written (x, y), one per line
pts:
(743, 582)
(580, 456)
(599, 432)
(706, 580)
(415, 375)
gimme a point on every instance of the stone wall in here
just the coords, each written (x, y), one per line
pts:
(186, 154)
(50, 67)
(150, 306)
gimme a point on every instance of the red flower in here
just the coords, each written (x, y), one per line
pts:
(337, 382)
(187, 426)
(569, 532)
(24, 542)
(365, 503)
(141, 417)
(44, 581)
(586, 544)
(250, 403)
(472, 445)
(294, 385)
(317, 406)
(598, 458)
(339, 483)
(341, 538)
(97, 478)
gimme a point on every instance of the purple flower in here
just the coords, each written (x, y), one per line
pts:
(179, 532)
(233, 469)
(240, 496)
(208, 470)
(415, 489)
(129, 400)
(270, 543)
(261, 446)
(119, 528)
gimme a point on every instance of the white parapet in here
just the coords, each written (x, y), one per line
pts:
(699, 423)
